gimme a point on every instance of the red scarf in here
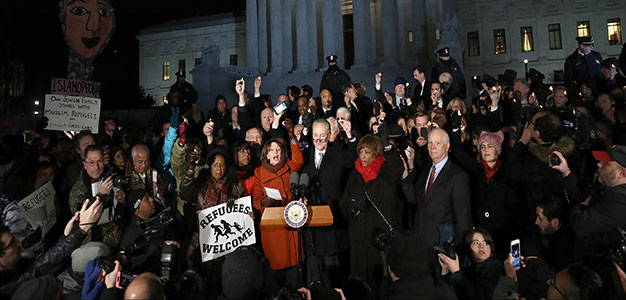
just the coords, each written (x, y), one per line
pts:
(489, 172)
(370, 172)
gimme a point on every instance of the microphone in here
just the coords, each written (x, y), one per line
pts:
(294, 178)
(304, 184)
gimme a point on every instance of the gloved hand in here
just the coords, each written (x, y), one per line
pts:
(383, 134)
(92, 286)
(182, 133)
(360, 206)
(193, 158)
(455, 119)
(268, 202)
(174, 117)
(288, 123)
(307, 120)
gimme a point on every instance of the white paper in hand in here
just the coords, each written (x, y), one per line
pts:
(273, 193)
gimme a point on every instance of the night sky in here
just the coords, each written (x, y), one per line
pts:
(30, 31)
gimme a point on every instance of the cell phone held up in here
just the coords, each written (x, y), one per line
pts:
(280, 108)
(516, 254)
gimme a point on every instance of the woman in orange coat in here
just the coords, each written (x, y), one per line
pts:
(279, 244)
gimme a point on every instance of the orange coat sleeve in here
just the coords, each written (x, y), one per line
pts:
(297, 160)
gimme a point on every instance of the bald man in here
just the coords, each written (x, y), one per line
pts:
(441, 193)
(145, 286)
(139, 171)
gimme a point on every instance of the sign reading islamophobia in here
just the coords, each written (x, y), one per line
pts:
(223, 229)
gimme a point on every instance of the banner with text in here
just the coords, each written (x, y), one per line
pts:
(75, 87)
(39, 208)
(72, 113)
(223, 229)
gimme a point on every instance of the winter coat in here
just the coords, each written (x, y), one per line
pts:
(477, 281)
(365, 258)
(279, 244)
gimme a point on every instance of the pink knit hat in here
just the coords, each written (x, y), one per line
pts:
(495, 139)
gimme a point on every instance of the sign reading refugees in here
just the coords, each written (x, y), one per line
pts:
(39, 208)
(223, 229)
(72, 113)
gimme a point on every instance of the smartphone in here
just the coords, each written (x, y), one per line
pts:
(122, 280)
(424, 133)
(515, 251)
(280, 107)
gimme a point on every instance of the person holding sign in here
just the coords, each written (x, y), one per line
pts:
(14, 269)
(92, 183)
(216, 185)
(279, 244)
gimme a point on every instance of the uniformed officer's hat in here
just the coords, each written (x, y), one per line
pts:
(610, 63)
(489, 80)
(399, 80)
(535, 75)
(331, 58)
(180, 73)
(585, 40)
(445, 51)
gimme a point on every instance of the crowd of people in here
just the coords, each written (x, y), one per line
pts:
(521, 194)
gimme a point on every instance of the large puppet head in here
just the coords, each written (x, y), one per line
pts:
(87, 24)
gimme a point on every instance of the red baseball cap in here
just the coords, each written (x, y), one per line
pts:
(617, 153)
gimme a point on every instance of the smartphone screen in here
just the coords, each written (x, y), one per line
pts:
(122, 280)
(280, 107)
(424, 133)
(515, 251)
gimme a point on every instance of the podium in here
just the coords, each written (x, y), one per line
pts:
(319, 215)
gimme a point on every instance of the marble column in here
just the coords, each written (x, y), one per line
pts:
(332, 28)
(287, 36)
(311, 11)
(302, 36)
(263, 37)
(390, 30)
(362, 32)
(252, 38)
(419, 30)
(276, 36)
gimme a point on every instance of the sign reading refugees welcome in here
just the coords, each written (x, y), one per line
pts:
(223, 229)
(72, 113)
(39, 208)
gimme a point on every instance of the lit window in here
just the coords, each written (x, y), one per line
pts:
(410, 36)
(527, 39)
(554, 33)
(182, 66)
(165, 100)
(437, 34)
(615, 31)
(198, 61)
(473, 44)
(583, 28)
(499, 41)
(166, 70)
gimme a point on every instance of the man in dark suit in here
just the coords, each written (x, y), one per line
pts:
(328, 166)
(421, 93)
(327, 108)
(397, 105)
(441, 194)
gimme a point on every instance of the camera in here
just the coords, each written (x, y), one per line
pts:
(382, 240)
(107, 264)
(169, 256)
(119, 181)
(577, 127)
(447, 249)
(554, 160)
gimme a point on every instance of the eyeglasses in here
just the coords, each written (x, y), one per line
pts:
(552, 283)
(94, 162)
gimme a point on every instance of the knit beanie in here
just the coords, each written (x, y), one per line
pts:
(495, 139)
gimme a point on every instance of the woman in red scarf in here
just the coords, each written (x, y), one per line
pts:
(377, 176)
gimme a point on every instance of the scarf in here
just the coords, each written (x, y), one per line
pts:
(274, 168)
(216, 193)
(489, 172)
(370, 172)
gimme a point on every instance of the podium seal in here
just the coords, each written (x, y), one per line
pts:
(296, 214)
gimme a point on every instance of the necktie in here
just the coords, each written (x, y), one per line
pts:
(320, 155)
(431, 178)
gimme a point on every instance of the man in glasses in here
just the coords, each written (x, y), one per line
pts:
(328, 166)
(93, 183)
(575, 282)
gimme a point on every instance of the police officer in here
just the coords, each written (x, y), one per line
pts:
(186, 93)
(333, 80)
(582, 66)
(447, 64)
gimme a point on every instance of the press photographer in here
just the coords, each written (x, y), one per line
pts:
(93, 182)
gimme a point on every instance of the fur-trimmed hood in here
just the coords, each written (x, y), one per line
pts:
(565, 145)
